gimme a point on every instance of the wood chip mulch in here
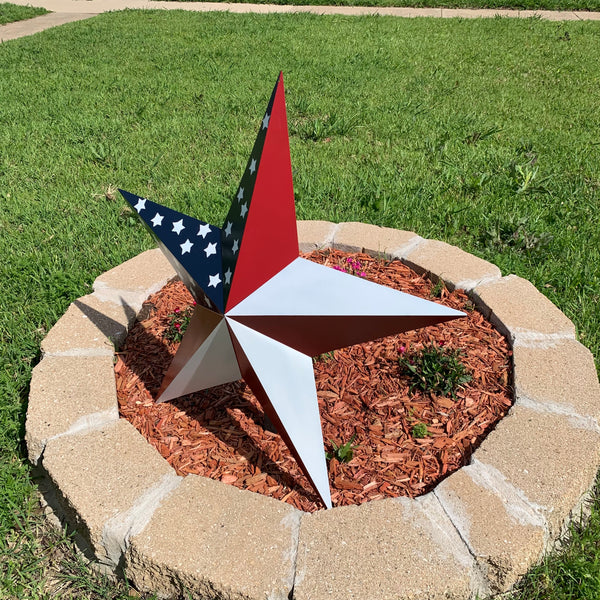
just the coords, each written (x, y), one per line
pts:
(362, 391)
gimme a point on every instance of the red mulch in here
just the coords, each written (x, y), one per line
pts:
(362, 390)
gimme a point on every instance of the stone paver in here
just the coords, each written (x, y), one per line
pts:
(90, 327)
(314, 235)
(136, 279)
(374, 240)
(392, 549)
(520, 311)
(553, 463)
(107, 479)
(218, 541)
(506, 545)
(69, 394)
(457, 268)
(560, 377)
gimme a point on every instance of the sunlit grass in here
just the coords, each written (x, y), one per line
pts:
(482, 133)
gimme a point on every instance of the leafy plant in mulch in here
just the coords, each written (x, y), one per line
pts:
(178, 323)
(344, 452)
(434, 369)
(420, 431)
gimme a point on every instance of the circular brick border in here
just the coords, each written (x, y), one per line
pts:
(476, 533)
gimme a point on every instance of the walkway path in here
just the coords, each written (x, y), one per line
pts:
(65, 11)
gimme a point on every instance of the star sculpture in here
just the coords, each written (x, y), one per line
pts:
(263, 312)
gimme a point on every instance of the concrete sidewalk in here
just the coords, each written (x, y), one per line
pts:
(65, 11)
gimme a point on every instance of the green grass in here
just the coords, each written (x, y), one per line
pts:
(582, 5)
(9, 13)
(482, 133)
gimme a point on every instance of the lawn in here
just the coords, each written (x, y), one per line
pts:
(482, 133)
(582, 5)
(9, 13)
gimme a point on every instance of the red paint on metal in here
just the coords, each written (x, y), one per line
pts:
(270, 240)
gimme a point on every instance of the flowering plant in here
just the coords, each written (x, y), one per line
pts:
(352, 266)
(178, 323)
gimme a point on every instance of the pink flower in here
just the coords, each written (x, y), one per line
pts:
(177, 310)
(349, 260)
(194, 303)
(362, 274)
(402, 350)
(441, 343)
(338, 268)
(177, 326)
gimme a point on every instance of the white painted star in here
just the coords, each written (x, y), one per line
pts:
(178, 227)
(252, 166)
(210, 249)
(204, 230)
(265, 122)
(235, 246)
(157, 220)
(228, 276)
(240, 195)
(214, 280)
(141, 205)
(243, 210)
(186, 247)
(227, 229)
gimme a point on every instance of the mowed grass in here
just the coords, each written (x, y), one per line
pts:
(9, 13)
(580, 5)
(482, 133)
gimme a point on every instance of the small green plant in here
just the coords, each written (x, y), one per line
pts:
(419, 431)
(437, 289)
(343, 453)
(325, 357)
(178, 323)
(435, 369)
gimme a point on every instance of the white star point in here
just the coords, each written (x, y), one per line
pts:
(204, 230)
(214, 280)
(186, 247)
(227, 229)
(178, 227)
(210, 249)
(141, 205)
(235, 246)
(252, 166)
(265, 122)
(228, 276)
(157, 220)
(240, 195)
(244, 210)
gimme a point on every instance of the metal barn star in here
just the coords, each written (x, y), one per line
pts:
(262, 311)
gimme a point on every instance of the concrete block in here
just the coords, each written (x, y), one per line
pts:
(457, 268)
(314, 235)
(520, 311)
(505, 546)
(553, 463)
(136, 279)
(558, 377)
(109, 481)
(89, 327)
(69, 394)
(371, 239)
(391, 549)
(219, 541)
